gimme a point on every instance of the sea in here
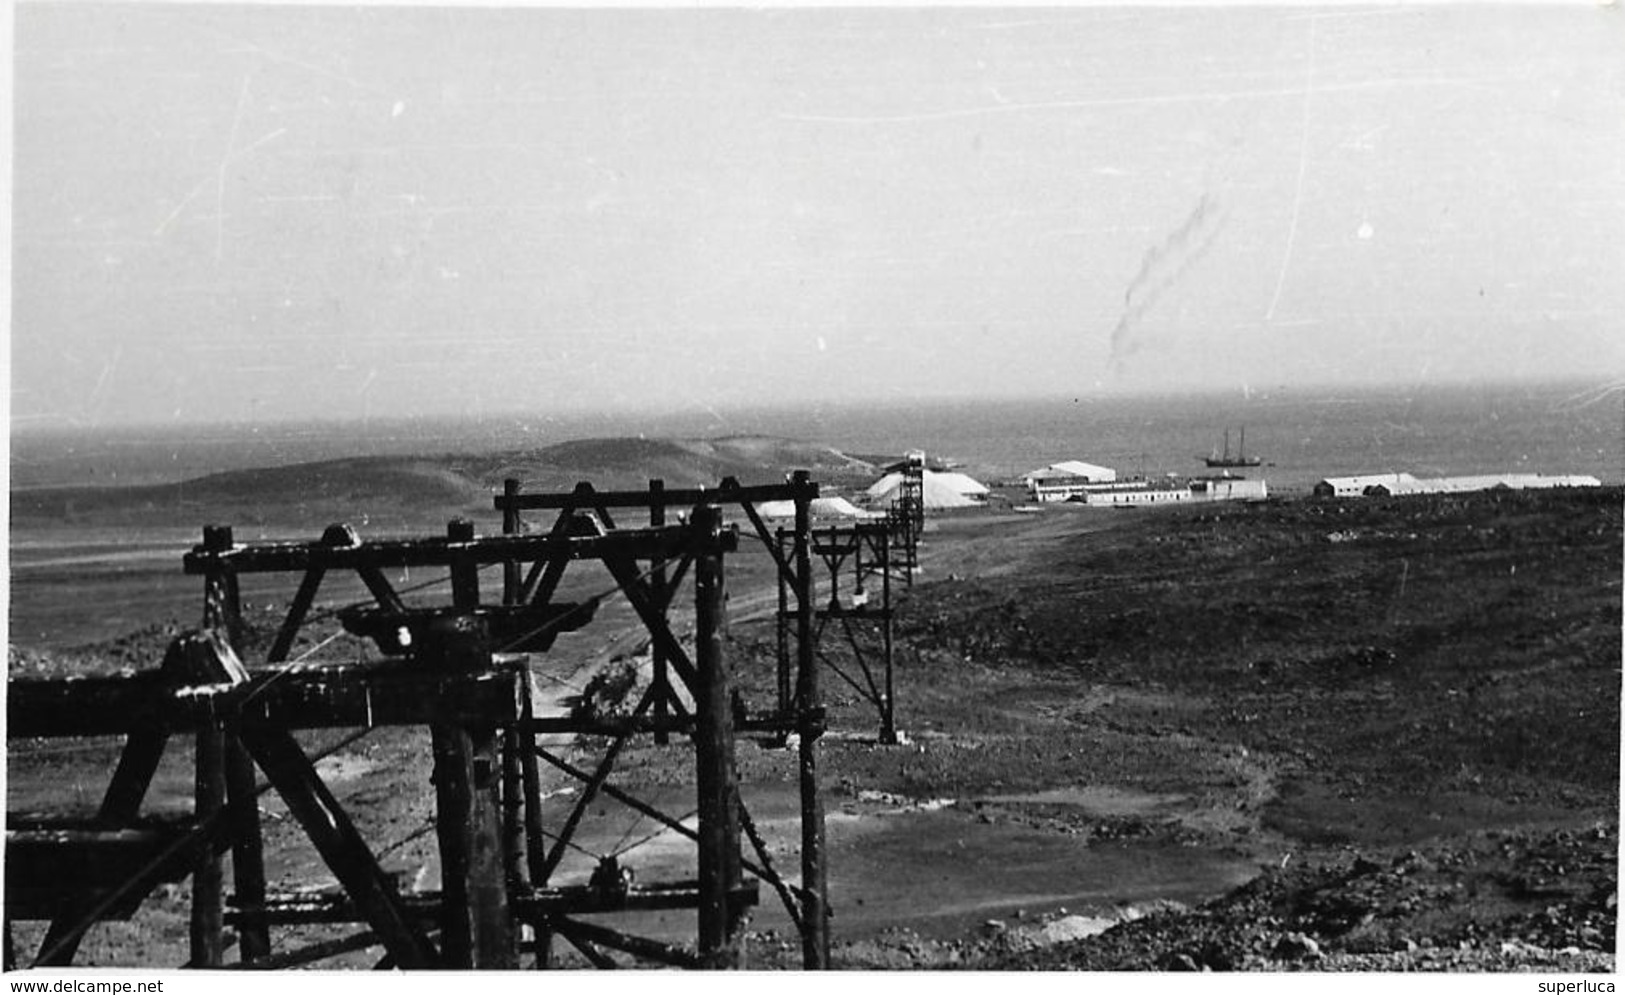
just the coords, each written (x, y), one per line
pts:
(1301, 435)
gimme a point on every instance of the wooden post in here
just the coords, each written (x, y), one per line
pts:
(888, 716)
(719, 859)
(465, 576)
(511, 575)
(809, 726)
(782, 632)
(657, 577)
(513, 809)
(222, 611)
(476, 927)
(208, 899)
(535, 846)
(522, 844)
(248, 851)
(221, 607)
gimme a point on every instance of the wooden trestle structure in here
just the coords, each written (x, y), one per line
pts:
(464, 670)
(869, 555)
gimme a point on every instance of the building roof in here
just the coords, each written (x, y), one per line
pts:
(960, 482)
(1484, 482)
(1360, 482)
(1073, 468)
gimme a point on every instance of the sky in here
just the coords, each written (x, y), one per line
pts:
(230, 214)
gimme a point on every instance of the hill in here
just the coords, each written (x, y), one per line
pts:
(423, 491)
(622, 463)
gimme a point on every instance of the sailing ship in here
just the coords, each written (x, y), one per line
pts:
(1240, 459)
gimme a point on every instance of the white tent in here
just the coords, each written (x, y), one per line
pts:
(961, 483)
(938, 490)
(823, 507)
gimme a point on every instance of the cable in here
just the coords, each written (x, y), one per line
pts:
(574, 846)
(291, 667)
(409, 589)
(595, 600)
(614, 850)
(424, 830)
(657, 832)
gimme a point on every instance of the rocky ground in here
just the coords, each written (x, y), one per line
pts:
(1406, 711)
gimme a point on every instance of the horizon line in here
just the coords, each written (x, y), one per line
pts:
(1591, 389)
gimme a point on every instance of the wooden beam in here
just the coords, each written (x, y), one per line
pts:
(378, 554)
(539, 589)
(169, 863)
(137, 763)
(50, 866)
(309, 697)
(379, 586)
(598, 958)
(311, 953)
(637, 946)
(331, 907)
(302, 600)
(653, 615)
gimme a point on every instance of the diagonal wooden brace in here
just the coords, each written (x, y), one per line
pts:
(647, 604)
(381, 590)
(545, 575)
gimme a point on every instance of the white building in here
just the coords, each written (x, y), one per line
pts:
(1131, 494)
(1229, 489)
(1356, 486)
(1386, 484)
(1134, 493)
(1065, 480)
(1482, 482)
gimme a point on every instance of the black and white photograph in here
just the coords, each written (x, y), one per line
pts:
(1103, 488)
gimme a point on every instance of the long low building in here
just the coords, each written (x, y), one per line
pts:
(1137, 493)
(1483, 482)
(1386, 484)
(1062, 481)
